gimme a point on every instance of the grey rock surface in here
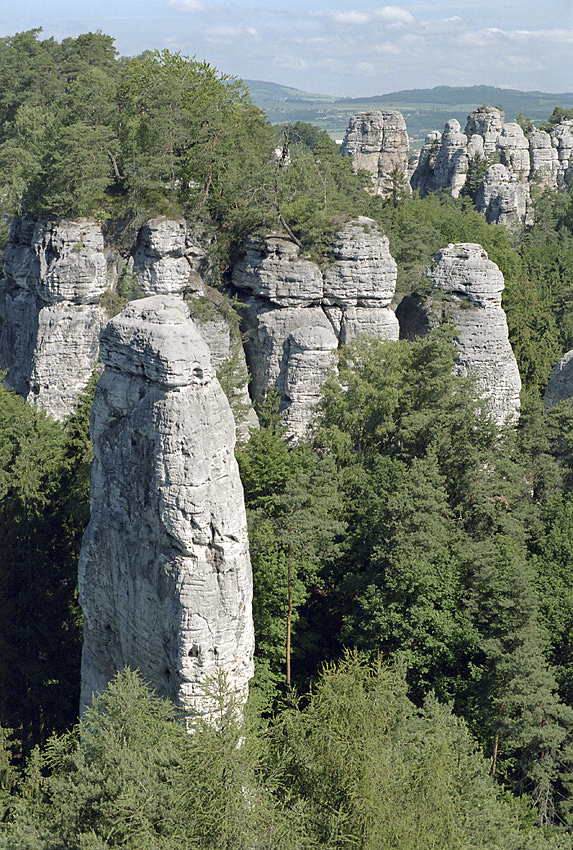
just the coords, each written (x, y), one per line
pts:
(164, 575)
(296, 317)
(451, 164)
(544, 160)
(466, 291)
(504, 199)
(55, 275)
(513, 150)
(378, 142)
(560, 385)
(487, 122)
(168, 257)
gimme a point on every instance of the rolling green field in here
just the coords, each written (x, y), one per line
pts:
(423, 109)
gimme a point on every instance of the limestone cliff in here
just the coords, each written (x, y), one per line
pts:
(296, 315)
(465, 290)
(164, 576)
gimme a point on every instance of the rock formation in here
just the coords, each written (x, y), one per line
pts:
(504, 199)
(295, 316)
(168, 258)
(57, 276)
(378, 142)
(451, 163)
(516, 161)
(560, 385)
(466, 290)
(50, 319)
(164, 576)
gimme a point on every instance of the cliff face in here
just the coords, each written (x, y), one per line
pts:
(296, 315)
(378, 142)
(466, 291)
(164, 576)
(55, 275)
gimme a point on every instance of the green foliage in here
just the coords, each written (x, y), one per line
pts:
(293, 508)
(132, 776)
(44, 474)
(557, 116)
(375, 772)
(419, 227)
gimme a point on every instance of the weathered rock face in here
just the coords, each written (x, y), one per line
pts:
(168, 257)
(514, 151)
(55, 275)
(466, 291)
(296, 316)
(505, 195)
(560, 385)
(378, 142)
(504, 199)
(544, 162)
(487, 122)
(562, 140)
(164, 576)
(451, 162)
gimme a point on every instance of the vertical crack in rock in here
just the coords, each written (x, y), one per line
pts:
(466, 290)
(164, 576)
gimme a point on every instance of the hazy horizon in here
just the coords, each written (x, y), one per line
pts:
(327, 48)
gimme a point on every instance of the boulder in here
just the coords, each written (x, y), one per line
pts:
(164, 575)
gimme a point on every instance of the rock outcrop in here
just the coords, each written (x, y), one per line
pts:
(296, 316)
(516, 161)
(164, 577)
(504, 199)
(378, 142)
(50, 319)
(560, 385)
(53, 304)
(168, 258)
(466, 291)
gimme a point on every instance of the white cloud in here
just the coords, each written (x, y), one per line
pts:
(187, 5)
(352, 17)
(394, 15)
(387, 47)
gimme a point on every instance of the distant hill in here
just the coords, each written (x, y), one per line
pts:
(423, 109)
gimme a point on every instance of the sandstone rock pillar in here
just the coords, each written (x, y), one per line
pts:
(164, 576)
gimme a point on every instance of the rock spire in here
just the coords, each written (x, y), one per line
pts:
(164, 577)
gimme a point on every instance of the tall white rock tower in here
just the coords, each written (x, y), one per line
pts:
(165, 577)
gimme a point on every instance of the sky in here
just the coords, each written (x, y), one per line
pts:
(333, 47)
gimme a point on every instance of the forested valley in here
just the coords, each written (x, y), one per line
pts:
(418, 560)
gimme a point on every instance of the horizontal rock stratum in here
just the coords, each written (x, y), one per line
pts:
(164, 577)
